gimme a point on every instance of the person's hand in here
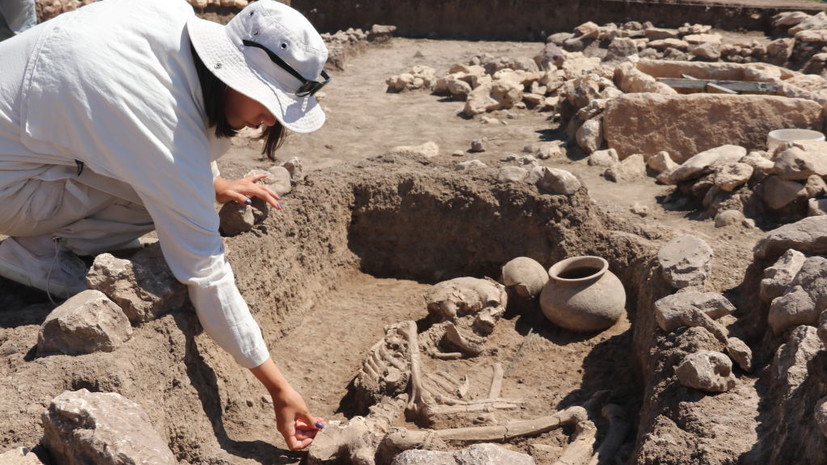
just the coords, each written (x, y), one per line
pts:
(240, 190)
(293, 420)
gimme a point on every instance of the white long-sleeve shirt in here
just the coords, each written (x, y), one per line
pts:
(114, 85)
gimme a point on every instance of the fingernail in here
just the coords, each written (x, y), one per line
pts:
(319, 425)
(248, 202)
(278, 205)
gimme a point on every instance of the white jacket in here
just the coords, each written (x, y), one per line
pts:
(113, 84)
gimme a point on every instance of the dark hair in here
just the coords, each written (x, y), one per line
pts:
(214, 91)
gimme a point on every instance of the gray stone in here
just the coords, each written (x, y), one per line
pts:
(661, 162)
(295, 168)
(777, 193)
(279, 180)
(668, 310)
(477, 145)
(795, 307)
(19, 456)
(235, 219)
(800, 160)
(468, 165)
(88, 322)
(605, 158)
(820, 415)
(657, 33)
(706, 370)
(730, 176)
(808, 235)
(92, 428)
(701, 162)
(590, 135)
(631, 168)
(759, 162)
(621, 48)
(777, 278)
(142, 286)
(789, 365)
(728, 218)
(740, 353)
(512, 174)
(556, 181)
(477, 454)
(817, 207)
(815, 186)
(640, 210)
(686, 261)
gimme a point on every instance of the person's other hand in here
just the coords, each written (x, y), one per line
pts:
(240, 190)
(293, 420)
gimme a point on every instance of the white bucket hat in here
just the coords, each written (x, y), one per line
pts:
(270, 53)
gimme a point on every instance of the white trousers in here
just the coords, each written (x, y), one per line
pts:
(89, 212)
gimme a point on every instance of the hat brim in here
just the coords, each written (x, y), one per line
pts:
(227, 62)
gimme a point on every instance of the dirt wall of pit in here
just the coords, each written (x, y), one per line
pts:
(525, 19)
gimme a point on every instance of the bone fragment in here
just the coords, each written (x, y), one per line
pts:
(618, 428)
(513, 429)
(496, 381)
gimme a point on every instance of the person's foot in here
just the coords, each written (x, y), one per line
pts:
(47, 267)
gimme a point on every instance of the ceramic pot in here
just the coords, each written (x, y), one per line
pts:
(583, 295)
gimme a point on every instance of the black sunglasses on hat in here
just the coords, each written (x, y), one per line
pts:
(308, 87)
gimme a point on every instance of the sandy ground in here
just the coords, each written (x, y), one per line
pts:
(321, 355)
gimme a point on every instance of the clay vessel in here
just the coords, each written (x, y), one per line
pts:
(583, 295)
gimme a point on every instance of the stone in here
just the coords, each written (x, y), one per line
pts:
(657, 33)
(820, 415)
(96, 428)
(701, 162)
(295, 168)
(631, 168)
(816, 207)
(640, 210)
(668, 310)
(556, 181)
(428, 150)
(707, 371)
(731, 176)
(815, 186)
(590, 135)
(512, 174)
(789, 365)
(686, 261)
(777, 193)
(279, 180)
(19, 456)
(800, 160)
(634, 122)
(235, 218)
(477, 454)
(794, 308)
(709, 51)
(808, 235)
(477, 145)
(633, 80)
(605, 158)
(726, 218)
(143, 286)
(88, 322)
(469, 164)
(664, 44)
(777, 278)
(620, 48)
(759, 162)
(661, 162)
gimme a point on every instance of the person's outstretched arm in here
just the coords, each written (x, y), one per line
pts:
(293, 419)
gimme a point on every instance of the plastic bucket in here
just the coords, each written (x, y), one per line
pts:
(782, 136)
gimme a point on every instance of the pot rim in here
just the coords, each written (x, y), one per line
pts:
(591, 261)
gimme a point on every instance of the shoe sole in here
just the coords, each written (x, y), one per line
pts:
(9, 271)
